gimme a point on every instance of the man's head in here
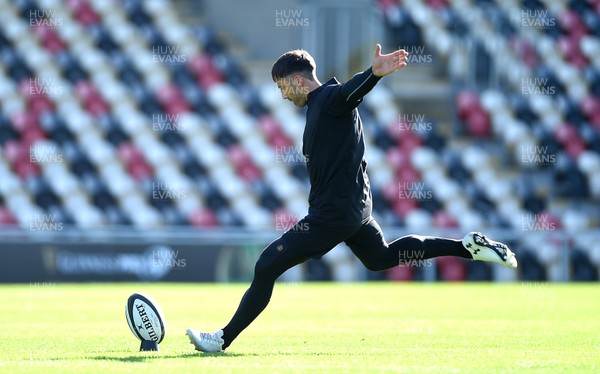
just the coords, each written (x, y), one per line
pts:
(294, 72)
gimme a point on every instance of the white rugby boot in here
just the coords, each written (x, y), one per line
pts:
(484, 249)
(206, 341)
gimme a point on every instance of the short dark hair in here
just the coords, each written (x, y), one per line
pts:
(296, 61)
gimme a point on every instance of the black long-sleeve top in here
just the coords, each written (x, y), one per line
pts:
(334, 147)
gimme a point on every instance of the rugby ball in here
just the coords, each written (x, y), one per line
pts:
(145, 318)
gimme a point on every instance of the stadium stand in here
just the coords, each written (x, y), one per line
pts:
(532, 159)
(117, 113)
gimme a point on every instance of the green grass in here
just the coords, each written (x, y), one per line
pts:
(329, 328)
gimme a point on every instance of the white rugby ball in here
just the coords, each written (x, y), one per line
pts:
(145, 318)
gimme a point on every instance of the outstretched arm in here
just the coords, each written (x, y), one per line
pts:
(358, 86)
(387, 64)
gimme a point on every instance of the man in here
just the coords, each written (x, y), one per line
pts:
(340, 195)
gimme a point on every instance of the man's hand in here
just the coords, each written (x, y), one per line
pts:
(387, 64)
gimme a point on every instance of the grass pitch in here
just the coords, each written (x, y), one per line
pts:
(307, 328)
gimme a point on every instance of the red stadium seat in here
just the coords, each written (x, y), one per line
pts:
(405, 135)
(40, 104)
(206, 73)
(271, 129)
(75, 4)
(128, 152)
(32, 134)
(15, 152)
(590, 105)
(575, 147)
(140, 170)
(478, 123)
(398, 159)
(168, 94)
(86, 15)
(85, 90)
(26, 169)
(134, 161)
(469, 109)
(203, 218)
(36, 96)
(400, 273)
(6, 217)
(280, 140)
(177, 108)
(408, 176)
(209, 78)
(566, 133)
(268, 125)
(391, 191)
(570, 48)
(525, 50)
(550, 220)
(595, 120)
(451, 269)
(443, 219)
(466, 102)
(243, 163)
(409, 142)
(97, 107)
(49, 38)
(567, 46)
(579, 60)
(385, 4)
(238, 155)
(403, 206)
(28, 87)
(283, 219)
(91, 98)
(250, 172)
(23, 121)
(572, 23)
(172, 99)
(200, 63)
(437, 4)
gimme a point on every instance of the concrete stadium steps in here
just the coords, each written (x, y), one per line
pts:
(418, 90)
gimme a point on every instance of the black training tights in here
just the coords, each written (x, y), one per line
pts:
(296, 246)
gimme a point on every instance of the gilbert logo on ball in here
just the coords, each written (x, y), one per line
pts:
(146, 321)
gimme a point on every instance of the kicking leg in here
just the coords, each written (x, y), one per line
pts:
(485, 249)
(369, 245)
